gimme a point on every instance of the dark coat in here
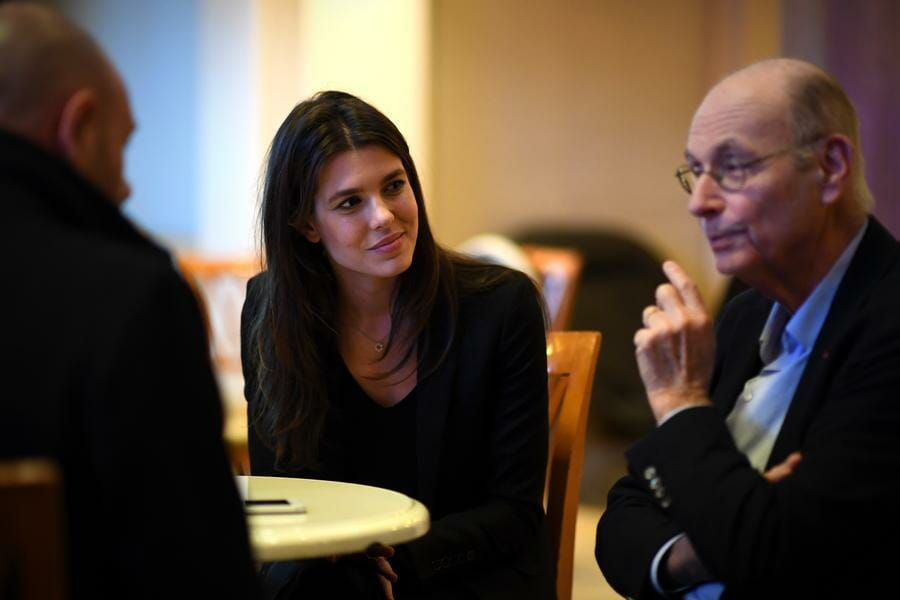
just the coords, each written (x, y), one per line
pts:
(106, 370)
(481, 443)
(828, 530)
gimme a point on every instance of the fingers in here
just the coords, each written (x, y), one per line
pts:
(678, 301)
(649, 314)
(377, 549)
(683, 285)
(777, 473)
(784, 468)
(641, 336)
(386, 587)
(384, 568)
(379, 555)
(668, 299)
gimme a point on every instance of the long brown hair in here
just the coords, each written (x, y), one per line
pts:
(296, 311)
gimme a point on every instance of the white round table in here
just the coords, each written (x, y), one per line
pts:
(340, 518)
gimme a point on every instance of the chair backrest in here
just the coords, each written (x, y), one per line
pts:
(556, 269)
(498, 249)
(32, 552)
(220, 285)
(620, 272)
(559, 269)
(572, 362)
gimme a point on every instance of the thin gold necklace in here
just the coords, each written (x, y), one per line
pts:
(377, 344)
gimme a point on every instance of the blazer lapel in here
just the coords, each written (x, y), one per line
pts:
(876, 253)
(742, 362)
(434, 393)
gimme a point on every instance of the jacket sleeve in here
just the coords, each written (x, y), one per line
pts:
(509, 522)
(823, 521)
(631, 531)
(634, 525)
(815, 533)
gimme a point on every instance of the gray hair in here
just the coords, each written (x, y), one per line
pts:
(818, 107)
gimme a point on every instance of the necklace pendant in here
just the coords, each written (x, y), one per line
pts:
(379, 347)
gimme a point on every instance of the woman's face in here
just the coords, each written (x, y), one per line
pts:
(365, 215)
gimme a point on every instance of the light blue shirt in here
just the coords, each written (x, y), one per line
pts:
(784, 346)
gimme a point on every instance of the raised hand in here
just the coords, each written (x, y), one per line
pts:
(674, 349)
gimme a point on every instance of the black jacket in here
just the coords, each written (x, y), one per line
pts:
(481, 443)
(105, 369)
(831, 528)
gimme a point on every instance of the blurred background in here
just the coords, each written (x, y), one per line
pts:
(552, 122)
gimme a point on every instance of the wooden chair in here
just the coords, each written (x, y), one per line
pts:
(572, 362)
(32, 552)
(556, 269)
(559, 269)
(220, 286)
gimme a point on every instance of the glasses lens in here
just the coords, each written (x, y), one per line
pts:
(732, 179)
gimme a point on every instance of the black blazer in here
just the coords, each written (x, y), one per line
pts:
(481, 438)
(819, 532)
(106, 370)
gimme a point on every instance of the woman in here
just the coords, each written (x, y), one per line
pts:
(372, 355)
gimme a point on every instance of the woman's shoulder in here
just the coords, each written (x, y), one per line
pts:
(256, 282)
(255, 286)
(253, 299)
(488, 284)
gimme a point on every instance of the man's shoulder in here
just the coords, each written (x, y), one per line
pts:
(871, 284)
(87, 279)
(106, 257)
(107, 266)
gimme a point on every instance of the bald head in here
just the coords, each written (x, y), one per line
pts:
(59, 91)
(809, 104)
(44, 58)
(773, 150)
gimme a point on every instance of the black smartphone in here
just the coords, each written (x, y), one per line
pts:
(269, 506)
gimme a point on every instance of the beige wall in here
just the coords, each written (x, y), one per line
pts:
(260, 58)
(575, 112)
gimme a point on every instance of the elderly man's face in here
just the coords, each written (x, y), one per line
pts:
(758, 232)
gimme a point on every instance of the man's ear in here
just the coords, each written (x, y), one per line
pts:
(77, 134)
(834, 166)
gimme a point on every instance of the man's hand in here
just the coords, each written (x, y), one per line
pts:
(674, 349)
(783, 469)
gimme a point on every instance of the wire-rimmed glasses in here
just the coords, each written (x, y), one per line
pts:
(730, 177)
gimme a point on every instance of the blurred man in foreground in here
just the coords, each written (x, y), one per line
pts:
(105, 362)
(775, 465)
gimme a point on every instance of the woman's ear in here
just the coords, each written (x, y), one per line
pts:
(310, 232)
(78, 131)
(834, 166)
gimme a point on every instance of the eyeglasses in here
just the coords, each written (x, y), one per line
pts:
(730, 177)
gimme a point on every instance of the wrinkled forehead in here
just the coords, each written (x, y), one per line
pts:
(743, 113)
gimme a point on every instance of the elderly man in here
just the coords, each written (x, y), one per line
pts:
(775, 468)
(105, 364)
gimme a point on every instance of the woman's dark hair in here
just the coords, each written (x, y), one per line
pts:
(297, 308)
